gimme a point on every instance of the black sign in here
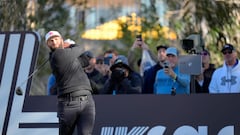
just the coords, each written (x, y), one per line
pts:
(195, 114)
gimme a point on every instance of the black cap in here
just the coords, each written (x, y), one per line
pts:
(89, 54)
(227, 47)
(121, 61)
(161, 46)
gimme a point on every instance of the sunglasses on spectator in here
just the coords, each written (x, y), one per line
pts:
(204, 53)
(227, 51)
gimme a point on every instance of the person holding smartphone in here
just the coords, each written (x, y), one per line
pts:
(169, 80)
(149, 74)
(132, 54)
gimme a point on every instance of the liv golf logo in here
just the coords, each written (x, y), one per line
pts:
(160, 130)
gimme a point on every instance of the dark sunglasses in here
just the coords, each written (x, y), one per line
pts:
(227, 51)
(204, 53)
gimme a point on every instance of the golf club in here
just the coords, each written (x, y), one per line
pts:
(18, 89)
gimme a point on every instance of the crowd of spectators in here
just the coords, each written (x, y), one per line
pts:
(113, 73)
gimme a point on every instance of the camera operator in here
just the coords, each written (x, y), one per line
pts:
(123, 79)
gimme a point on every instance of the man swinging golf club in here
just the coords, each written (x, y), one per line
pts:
(76, 106)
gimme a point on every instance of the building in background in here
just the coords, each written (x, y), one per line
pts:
(101, 17)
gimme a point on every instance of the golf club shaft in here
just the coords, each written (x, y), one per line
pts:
(34, 72)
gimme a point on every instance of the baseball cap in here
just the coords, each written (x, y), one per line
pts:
(161, 46)
(52, 34)
(70, 41)
(227, 47)
(121, 61)
(172, 50)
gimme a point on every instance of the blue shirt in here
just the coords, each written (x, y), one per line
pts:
(51, 82)
(164, 83)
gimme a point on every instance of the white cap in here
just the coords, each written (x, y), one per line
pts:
(51, 34)
(69, 41)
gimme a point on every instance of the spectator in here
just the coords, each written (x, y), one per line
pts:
(169, 80)
(51, 85)
(202, 81)
(123, 79)
(103, 65)
(150, 74)
(133, 56)
(110, 56)
(96, 78)
(226, 79)
(68, 42)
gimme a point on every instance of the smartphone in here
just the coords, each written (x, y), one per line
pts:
(107, 59)
(139, 37)
(166, 65)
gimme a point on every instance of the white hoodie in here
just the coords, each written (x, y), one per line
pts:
(226, 79)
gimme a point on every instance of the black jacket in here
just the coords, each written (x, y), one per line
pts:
(130, 85)
(67, 66)
(207, 79)
(149, 79)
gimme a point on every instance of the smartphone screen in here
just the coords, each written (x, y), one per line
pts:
(107, 59)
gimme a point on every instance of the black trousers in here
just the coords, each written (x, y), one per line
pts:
(76, 111)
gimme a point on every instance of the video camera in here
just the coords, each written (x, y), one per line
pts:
(118, 74)
(193, 44)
